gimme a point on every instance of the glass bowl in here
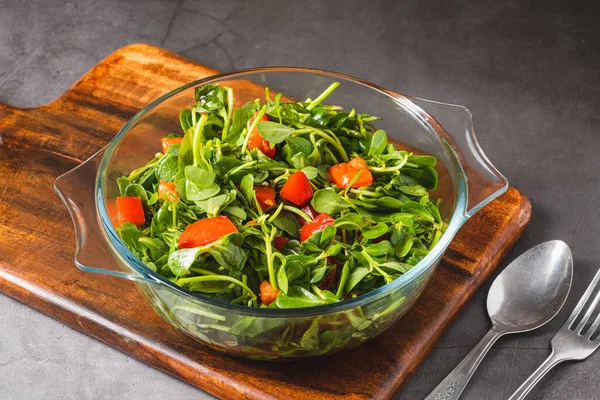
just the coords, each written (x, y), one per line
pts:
(467, 181)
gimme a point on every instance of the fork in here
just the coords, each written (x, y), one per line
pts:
(570, 342)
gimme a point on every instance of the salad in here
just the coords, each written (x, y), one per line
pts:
(279, 203)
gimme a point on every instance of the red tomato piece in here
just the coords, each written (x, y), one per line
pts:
(308, 210)
(341, 174)
(166, 191)
(318, 225)
(265, 196)
(167, 142)
(129, 209)
(297, 189)
(267, 293)
(206, 231)
(255, 141)
(280, 241)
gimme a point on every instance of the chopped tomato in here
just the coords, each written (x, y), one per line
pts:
(166, 191)
(318, 225)
(308, 210)
(206, 231)
(280, 241)
(267, 293)
(341, 174)
(297, 189)
(129, 209)
(255, 141)
(265, 196)
(166, 142)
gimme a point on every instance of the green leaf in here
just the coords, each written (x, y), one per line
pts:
(424, 161)
(185, 117)
(318, 273)
(213, 204)
(180, 261)
(287, 222)
(328, 201)
(310, 172)
(378, 143)
(157, 247)
(419, 210)
(297, 297)
(162, 220)
(294, 269)
(186, 153)
(373, 232)
(381, 249)
(236, 211)
(167, 168)
(299, 145)
(122, 182)
(355, 277)
(229, 255)
(247, 188)
(327, 236)
(389, 203)
(310, 339)
(195, 193)
(200, 177)
(282, 279)
(137, 190)
(211, 97)
(274, 132)
(414, 190)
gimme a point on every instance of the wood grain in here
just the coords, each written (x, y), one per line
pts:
(37, 247)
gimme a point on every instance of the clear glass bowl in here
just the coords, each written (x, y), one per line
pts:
(468, 181)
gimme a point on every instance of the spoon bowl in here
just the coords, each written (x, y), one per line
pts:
(532, 289)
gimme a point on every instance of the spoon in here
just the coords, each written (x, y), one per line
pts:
(526, 295)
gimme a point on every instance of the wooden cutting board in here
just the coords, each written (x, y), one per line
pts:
(37, 244)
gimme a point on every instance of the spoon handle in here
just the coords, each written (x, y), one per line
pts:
(454, 384)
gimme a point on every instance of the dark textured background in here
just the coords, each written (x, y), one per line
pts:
(528, 70)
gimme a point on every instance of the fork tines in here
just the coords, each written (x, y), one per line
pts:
(588, 312)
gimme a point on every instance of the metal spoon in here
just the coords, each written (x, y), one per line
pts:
(526, 295)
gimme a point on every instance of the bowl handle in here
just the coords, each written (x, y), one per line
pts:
(454, 124)
(77, 190)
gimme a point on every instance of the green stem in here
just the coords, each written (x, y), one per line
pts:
(285, 175)
(317, 291)
(197, 146)
(389, 169)
(375, 265)
(241, 167)
(261, 114)
(275, 214)
(202, 271)
(296, 211)
(229, 113)
(216, 278)
(328, 139)
(322, 96)
(269, 252)
(138, 172)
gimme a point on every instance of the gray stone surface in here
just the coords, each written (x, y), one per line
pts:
(529, 72)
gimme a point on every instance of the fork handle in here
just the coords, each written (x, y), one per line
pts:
(537, 375)
(454, 384)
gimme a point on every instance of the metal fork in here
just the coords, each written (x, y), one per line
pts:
(570, 342)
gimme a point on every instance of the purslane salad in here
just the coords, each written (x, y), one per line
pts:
(279, 203)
